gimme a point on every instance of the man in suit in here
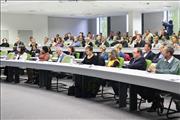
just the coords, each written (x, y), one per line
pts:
(137, 62)
(148, 54)
(139, 42)
(60, 54)
(159, 55)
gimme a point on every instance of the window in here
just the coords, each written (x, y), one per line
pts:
(24, 35)
(4, 34)
(102, 25)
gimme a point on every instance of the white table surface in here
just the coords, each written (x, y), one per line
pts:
(165, 82)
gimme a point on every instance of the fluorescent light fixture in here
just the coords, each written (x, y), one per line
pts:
(127, 23)
(97, 25)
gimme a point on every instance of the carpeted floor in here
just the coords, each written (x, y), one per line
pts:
(25, 102)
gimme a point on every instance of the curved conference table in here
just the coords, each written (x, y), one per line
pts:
(164, 82)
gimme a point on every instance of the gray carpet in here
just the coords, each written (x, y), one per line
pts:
(20, 101)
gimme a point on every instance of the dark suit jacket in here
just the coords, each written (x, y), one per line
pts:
(139, 64)
(156, 57)
(149, 56)
(141, 44)
(106, 44)
(19, 44)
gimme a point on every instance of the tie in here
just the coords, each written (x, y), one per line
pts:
(60, 58)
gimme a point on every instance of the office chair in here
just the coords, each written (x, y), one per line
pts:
(66, 59)
(121, 63)
(141, 100)
(77, 55)
(170, 111)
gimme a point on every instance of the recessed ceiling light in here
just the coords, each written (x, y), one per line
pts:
(88, 13)
(168, 6)
(32, 11)
(147, 3)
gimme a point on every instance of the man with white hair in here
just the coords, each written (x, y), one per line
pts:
(60, 54)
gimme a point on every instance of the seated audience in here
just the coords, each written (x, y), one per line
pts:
(22, 55)
(13, 72)
(81, 36)
(111, 36)
(34, 50)
(71, 51)
(118, 48)
(163, 35)
(44, 54)
(59, 42)
(33, 42)
(135, 34)
(60, 54)
(30, 40)
(148, 37)
(148, 54)
(158, 56)
(54, 42)
(31, 73)
(138, 61)
(138, 42)
(15, 51)
(91, 84)
(4, 43)
(88, 42)
(67, 36)
(124, 42)
(103, 54)
(118, 35)
(130, 41)
(46, 42)
(156, 43)
(175, 42)
(167, 65)
(90, 35)
(114, 62)
(76, 42)
(98, 40)
(18, 42)
(104, 42)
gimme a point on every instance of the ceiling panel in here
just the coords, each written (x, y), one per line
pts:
(85, 9)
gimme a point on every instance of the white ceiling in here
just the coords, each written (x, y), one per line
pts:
(85, 9)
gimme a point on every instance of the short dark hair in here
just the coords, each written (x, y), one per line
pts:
(139, 35)
(149, 45)
(22, 49)
(45, 48)
(72, 49)
(89, 47)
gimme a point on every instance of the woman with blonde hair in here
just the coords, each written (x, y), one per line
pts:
(118, 48)
(114, 62)
(103, 54)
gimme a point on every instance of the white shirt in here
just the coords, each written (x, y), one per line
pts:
(156, 45)
(170, 60)
(21, 57)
